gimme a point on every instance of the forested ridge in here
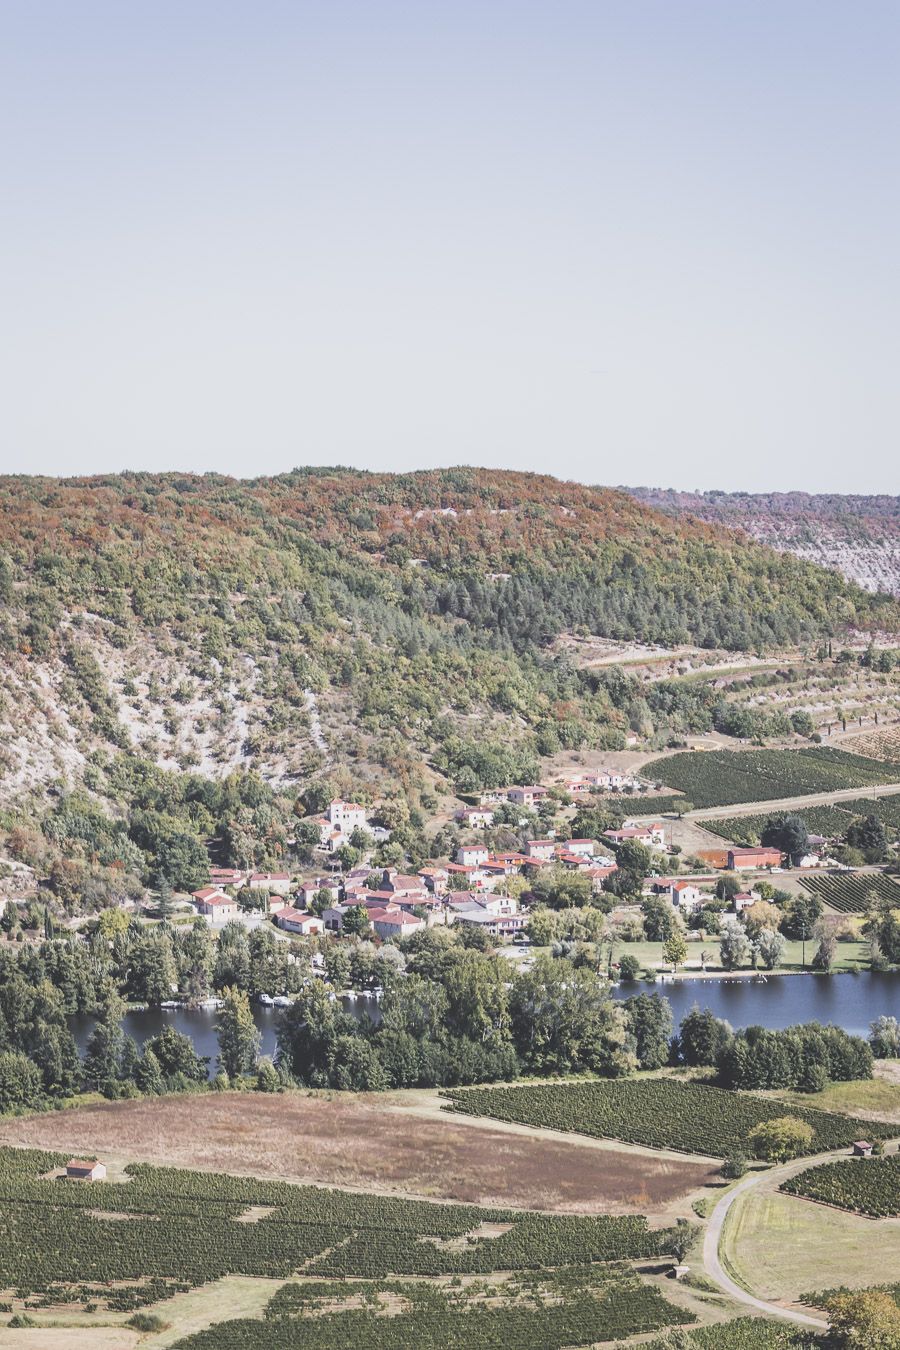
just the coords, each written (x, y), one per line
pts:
(403, 601)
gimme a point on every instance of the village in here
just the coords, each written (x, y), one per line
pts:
(497, 891)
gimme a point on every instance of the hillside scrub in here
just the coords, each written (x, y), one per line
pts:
(197, 616)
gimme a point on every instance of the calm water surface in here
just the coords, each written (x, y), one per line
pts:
(200, 1025)
(849, 1001)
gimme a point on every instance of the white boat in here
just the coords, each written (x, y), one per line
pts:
(266, 1000)
(281, 1001)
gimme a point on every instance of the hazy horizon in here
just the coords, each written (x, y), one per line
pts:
(617, 243)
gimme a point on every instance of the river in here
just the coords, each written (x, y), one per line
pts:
(200, 1025)
(849, 1001)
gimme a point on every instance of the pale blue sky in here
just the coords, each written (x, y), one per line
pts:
(641, 241)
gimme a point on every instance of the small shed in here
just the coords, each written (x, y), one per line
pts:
(862, 1149)
(78, 1169)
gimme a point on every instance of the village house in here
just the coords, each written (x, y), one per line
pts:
(599, 874)
(656, 828)
(226, 876)
(471, 855)
(462, 901)
(276, 903)
(434, 878)
(526, 796)
(296, 921)
(308, 890)
(540, 848)
(743, 900)
(82, 1169)
(573, 862)
(215, 904)
(747, 859)
(475, 817)
(495, 925)
(466, 872)
(390, 924)
(586, 847)
(346, 816)
(399, 883)
(270, 881)
(685, 895)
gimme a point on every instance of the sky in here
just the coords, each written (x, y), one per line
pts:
(650, 242)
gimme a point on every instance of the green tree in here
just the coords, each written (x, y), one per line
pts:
(175, 1054)
(564, 1021)
(477, 999)
(789, 833)
(21, 1087)
(103, 1057)
(152, 977)
(870, 837)
(238, 1038)
(866, 1320)
(648, 1020)
(149, 1076)
(770, 945)
(780, 1139)
(355, 921)
(734, 945)
(675, 949)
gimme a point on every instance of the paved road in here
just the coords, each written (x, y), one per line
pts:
(712, 1240)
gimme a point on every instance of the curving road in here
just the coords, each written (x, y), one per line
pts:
(712, 1240)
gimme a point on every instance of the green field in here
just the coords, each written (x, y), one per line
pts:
(724, 777)
(829, 821)
(658, 1112)
(848, 956)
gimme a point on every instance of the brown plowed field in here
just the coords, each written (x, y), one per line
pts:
(371, 1143)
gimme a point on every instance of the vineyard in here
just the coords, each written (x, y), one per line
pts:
(127, 1245)
(575, 1306)
(747, 1333)
(864, 1185)
(829, 821)
(724, 777)
(849, 892)
(658, 1112)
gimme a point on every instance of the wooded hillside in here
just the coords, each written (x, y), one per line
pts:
(215, 622)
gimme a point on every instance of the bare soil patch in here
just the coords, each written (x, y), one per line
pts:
(371, 1143)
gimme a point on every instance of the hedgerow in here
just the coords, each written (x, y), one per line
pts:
(659, 1112)
(821, 1297)
(865, 1185)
